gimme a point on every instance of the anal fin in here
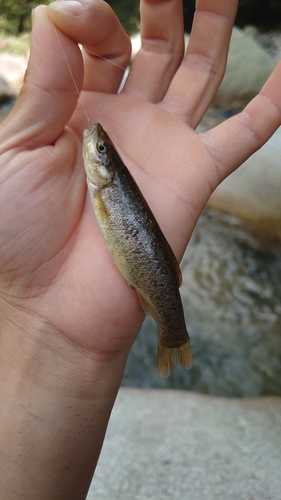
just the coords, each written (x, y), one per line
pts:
(149, 311)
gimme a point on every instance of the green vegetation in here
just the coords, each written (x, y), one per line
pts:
(18, 45)
(265, 14)
(128, 13)
(15, 16)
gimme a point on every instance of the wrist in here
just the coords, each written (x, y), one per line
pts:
(34, 350)
(56, 399)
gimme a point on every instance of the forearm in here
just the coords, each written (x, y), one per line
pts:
(55, 406)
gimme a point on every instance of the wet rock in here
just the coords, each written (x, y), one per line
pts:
(165, 445)
(231, 294)
(248, 67)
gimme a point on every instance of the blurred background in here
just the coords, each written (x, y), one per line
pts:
(232, 266)
(265, 14)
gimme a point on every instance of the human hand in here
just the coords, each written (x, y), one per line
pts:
(59, 286)
(53, 255)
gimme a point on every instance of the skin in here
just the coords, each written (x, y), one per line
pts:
(68, 318)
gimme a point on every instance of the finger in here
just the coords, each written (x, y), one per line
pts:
(107, 47)
(233, 141)
(55, 76)
(198, 78)
(48, 97)
(162, 49)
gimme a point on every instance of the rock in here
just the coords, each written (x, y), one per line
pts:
(6, 92)
(250, 30)
(12, 69)
(269, 40)
(248, 67)
(5, 109)
(253, 191)
(164, 445)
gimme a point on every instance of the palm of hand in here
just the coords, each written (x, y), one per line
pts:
(56, 258)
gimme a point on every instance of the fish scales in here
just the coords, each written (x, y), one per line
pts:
(142, 257)
(137, 245)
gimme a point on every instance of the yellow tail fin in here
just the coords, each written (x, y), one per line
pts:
(166, 358)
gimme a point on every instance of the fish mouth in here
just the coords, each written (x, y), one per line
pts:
(95, 131)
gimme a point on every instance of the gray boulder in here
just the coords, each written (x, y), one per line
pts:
(12, 70)
(248, 67)
(253, 191)
(6, 92)
(164, 445)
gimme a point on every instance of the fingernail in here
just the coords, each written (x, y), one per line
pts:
(68, 7)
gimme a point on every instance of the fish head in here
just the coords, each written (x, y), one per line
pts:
(98, 153)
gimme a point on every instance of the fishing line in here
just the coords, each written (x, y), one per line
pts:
(104, 59)
(127, 70)
(72, 76)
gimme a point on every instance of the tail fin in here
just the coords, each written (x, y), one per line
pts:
(167, 356)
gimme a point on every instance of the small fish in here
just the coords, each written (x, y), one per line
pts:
(138, 247)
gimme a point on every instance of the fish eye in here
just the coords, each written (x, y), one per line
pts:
(102, 147)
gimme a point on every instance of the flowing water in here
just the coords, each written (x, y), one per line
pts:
(232, 299)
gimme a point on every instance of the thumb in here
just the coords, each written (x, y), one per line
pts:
(49, 95)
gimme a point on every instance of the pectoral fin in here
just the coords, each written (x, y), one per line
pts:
(100, 208)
